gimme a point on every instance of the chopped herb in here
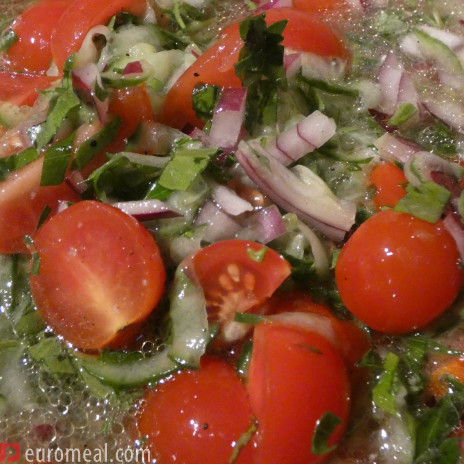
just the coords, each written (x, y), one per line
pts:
(324, 428)
(56, 162)
(50, 351)
(257, 255)
(7, 39)
(426, 201)
(243, 440)
(403, 114)
(243, 361)
(204, 100)
(35, 265)
(14, 162)
(385, 391)
(248, 318)
(44, 215)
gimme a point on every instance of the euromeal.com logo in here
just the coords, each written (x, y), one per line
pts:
(10, 452)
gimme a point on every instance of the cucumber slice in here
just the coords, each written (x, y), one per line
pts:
(130, 374)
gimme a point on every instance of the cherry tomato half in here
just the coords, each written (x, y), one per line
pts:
(389, 181)
(296, 376)
(21, 88)
(236, 276)
(100, 271)
(397, 273)
(22, 201)
(196, 416)
(32, 52)
(304, 32)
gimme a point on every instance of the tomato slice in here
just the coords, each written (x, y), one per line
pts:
(22, 201)
(100, 271)
(236, 276)
(304, 32)
(319, 6)
(80, 17)
(196, 416)
(295, 377)
(397, 273)
(31, 52)
(389, 181)
(21, 88)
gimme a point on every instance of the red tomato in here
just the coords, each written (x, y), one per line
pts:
(216, 65)
(351, 342)
(132, 105)
(197, 416)
(295, 377)
(397, 273)
(80, 17)
(31, 52)
(236, 276)
(389, 181)
(100, 271)
(319, 6)
(22, 201)
(22, 89)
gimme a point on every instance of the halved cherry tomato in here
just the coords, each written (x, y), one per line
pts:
(196, 416)
(236, 276)
(100, 271)
(389, 181)
(443, 367)
(80, 17)
(22, 201)
(31, 52)
(21, 88)
(132, 105)
(397, 273)
(296, 376)
(319, 6)
(304, 32)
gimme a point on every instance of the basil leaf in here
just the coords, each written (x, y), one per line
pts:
(384, 392)
(324, 428)
(56, 162)
(17, 161)
(426, 201)
(184, 167)
(95, 144)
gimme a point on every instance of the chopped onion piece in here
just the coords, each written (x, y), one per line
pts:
(88, 53)
(134, 67)
(220, 225)
(302, 138)
(229, 201)
(144, 210)
(450, 112)
(227, 121)
(311, 200)
(263, 226)
(454, 226)
(394, 148)
(321, 258)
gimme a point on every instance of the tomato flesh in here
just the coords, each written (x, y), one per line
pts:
(295, 377)
(389, 181)
(100, 271)
(196, 416)
(215, 66)
(32, 52)
(397, 273)
(237, 275)
(22, 201)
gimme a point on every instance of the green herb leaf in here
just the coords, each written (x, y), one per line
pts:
(17, 161)
(204, 100)
(248, 318)
(403, 114)
(384, 392)
(184, 167)
(51, 352)
(243, 440)
(324, 428)
(243, 361)
(426, 201)
(95, 144)
(258, 255)
(56, 162)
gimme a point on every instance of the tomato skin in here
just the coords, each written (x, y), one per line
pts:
(389, 181)
(22, 201)
(295, 377)
(196, 416)
(215, 66)
(21, 88)
(80, 17)
(110, 273)
(318, 6)
(397, 273)
(31, 52)
(233, 280)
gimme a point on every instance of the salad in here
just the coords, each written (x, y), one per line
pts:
(232, 231)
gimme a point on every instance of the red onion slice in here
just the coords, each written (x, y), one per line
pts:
(134, 67)
(449, 112)
(88, 53)
(145, 210)
(227, 121)
(229, 201)
(394, 148)
(311, 200)
(455, 227)
(302, 138)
